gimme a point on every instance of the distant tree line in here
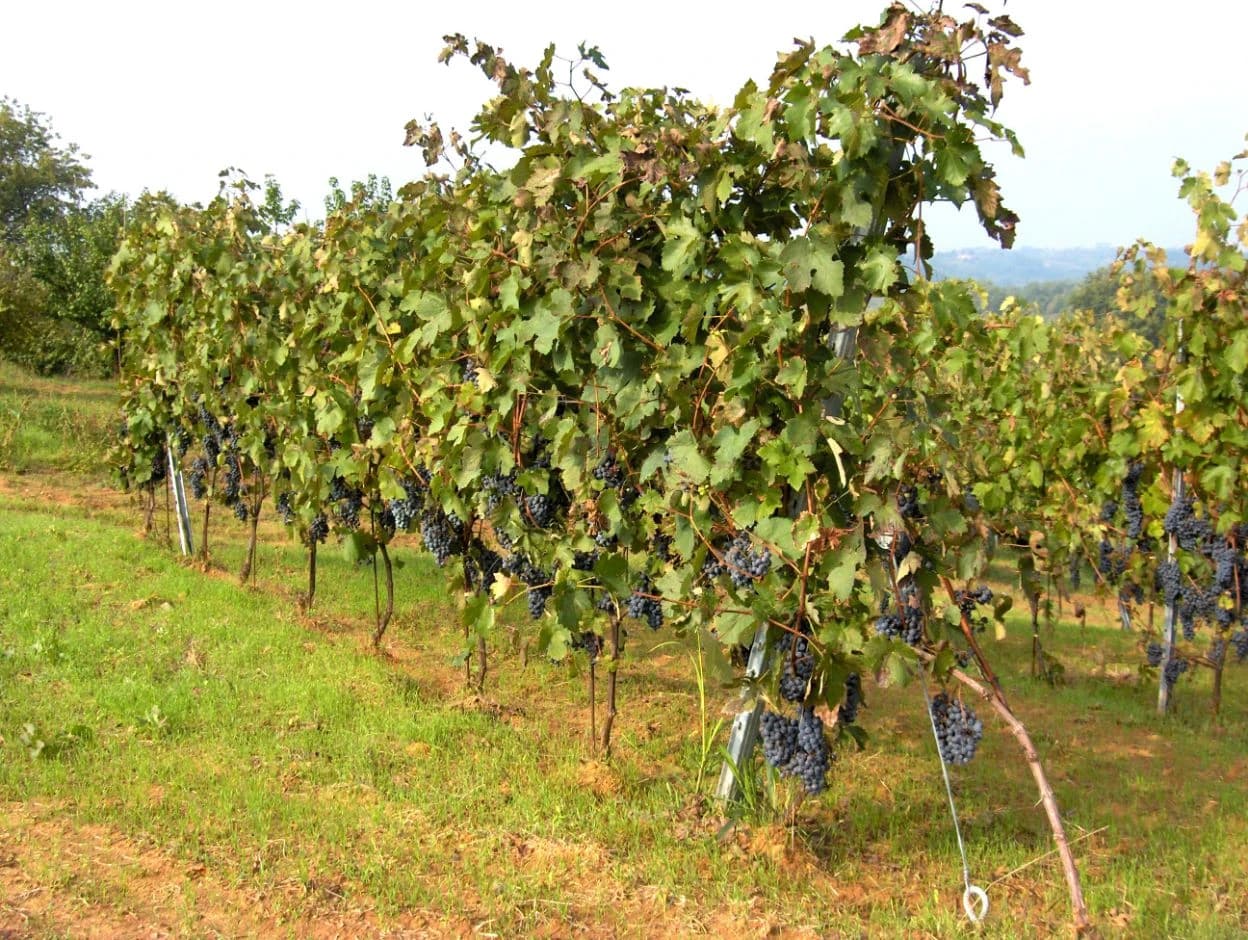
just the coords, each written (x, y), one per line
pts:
(1096, 292)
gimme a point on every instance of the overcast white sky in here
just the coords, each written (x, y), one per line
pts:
(164, 95)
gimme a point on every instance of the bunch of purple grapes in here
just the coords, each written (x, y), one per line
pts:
(643, 606)
(968, 600)
(958, 729)
(797, 665)
(1190, 530)
(539, 582)
(318, 529)
(745, 566)
(609, 473)
(797, 747)
(405, 511)
(347, 500)
(1131, 506)
(442, 534)
(847, 711)
(904, 622)
(1173, 669)
(908, 503)
(1154, 653)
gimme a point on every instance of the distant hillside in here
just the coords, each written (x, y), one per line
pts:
(1048, 281)
(1021, 265)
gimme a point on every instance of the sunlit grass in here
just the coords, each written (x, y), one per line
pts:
(49, 424)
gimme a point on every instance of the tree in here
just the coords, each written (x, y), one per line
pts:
(374, 191)
(39, 180)
(68, 255)
(53, 250)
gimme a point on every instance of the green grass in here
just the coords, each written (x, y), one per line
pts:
(49, 424)
(216, 723)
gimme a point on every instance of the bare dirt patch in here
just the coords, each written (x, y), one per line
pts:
(63, 878)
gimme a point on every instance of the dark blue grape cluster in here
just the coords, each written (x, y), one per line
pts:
(1132, 508)
(1239, 640)
(590, 642)
(797, 747)
(1187, 615)
(745, 566)
(212, 444)
(499, 486)
(405, 511)
(198, 477)
(968, 600)
(779, 736)
(1110, 563)
(539, 582)
(363, 421)
(541, 510)
(1190, 530)
(905, 623)
(712, 565)
(642, 606)
(347, 501)
(1175, 668)
(1076, 569)
(797, 665)
(958, 730)
(1109, 510)
(1226, 562)
(233, 492)
(539, 456)
(318, 529)
(1105, 558)
(182, 441)
(470, 370)
(609, 473)
(212, 431)
(442, 534)
(1154, 653)
(811, 761)
(584, 561)
(847, 711)
(1196, 604)
(908, 503)
(1218, 602)
(661, 546)
(232, 488)
(1167, 580)
(284, 509)
(481, 563)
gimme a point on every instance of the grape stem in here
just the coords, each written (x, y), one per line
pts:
(612, 675)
